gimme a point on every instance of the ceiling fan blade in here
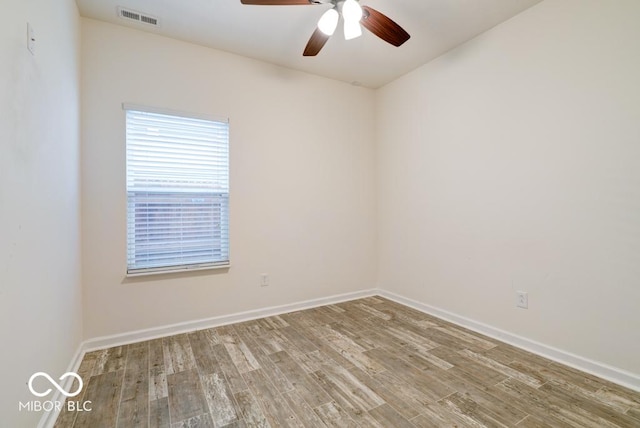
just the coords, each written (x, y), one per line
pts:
(277, 2)
(315, 43)
(383, 27)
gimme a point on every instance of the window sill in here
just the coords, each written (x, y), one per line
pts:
(177, 270)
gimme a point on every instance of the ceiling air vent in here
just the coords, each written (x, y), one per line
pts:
(132, 15)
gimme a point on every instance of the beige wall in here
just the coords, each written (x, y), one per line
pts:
(513, 163)
(40, 295)
(302, 185)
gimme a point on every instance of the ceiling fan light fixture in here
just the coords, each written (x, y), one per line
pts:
(328, 22)
(352, 14)
(351, 11)
(352, 29)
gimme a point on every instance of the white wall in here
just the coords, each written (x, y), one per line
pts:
(513, 163)
(40, 295)
(302, 184)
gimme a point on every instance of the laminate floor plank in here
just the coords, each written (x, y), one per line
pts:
(178, 355)
(469, 409)
(303, 410)
(311, 318)
(268, 342)
(467, 367)
(634, 413)
(531, 401)
(501, 368)
(334, 416)
(507, 354)
(252, 328)
(200, 421)
(104, 392)
(440, 339)
(532, 422)
(406, 318)
(269, 368)
(230, 370)
(372, 300)
(504, 411)
(400, 398)
(157, 374)
(403, 391)
(327, 353)
(437, 415)
(422, 358)
(159, 413)
(359, 337)
(274, 407)
(373, 311)
(275, 322)
(428, 357)
(466, 336)
(365, 363)
(298, 340)
(404, 336)
(344, 387)
(350, 397)
(110, 360)
(354, 353)
(308, 362)
(239, 424)
(422, 380)
(360, 319)
(303, 384)
(587, 381)
(387, 416)
(240, 354)
(250, 409)
(186, 398)
(201, 343)
(600, 397)
(220, 400)
(597, 411)
(618, 397)
(134, 399)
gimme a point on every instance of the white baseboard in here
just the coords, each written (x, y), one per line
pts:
(48, 419)
(613, 374)
(185, 327)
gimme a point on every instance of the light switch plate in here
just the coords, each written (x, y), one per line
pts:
(31, 39)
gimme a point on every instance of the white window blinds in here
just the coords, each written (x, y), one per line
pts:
(177, 192)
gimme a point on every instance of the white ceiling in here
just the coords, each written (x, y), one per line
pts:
(278, 34)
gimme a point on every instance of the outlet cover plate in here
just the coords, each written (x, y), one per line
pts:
(522, 299)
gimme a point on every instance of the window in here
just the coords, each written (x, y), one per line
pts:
(177, 191)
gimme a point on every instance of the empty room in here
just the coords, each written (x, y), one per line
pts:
(358, 213)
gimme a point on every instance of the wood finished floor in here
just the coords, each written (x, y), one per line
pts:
(364, 363)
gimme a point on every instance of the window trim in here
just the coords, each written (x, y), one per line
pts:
(178, 268)
(173, 269)
(170, 112)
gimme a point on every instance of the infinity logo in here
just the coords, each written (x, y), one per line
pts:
(55, 384)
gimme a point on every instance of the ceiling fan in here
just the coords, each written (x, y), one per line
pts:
(353, 16)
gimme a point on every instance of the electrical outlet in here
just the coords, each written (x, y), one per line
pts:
(522, 299)
(264, 280)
